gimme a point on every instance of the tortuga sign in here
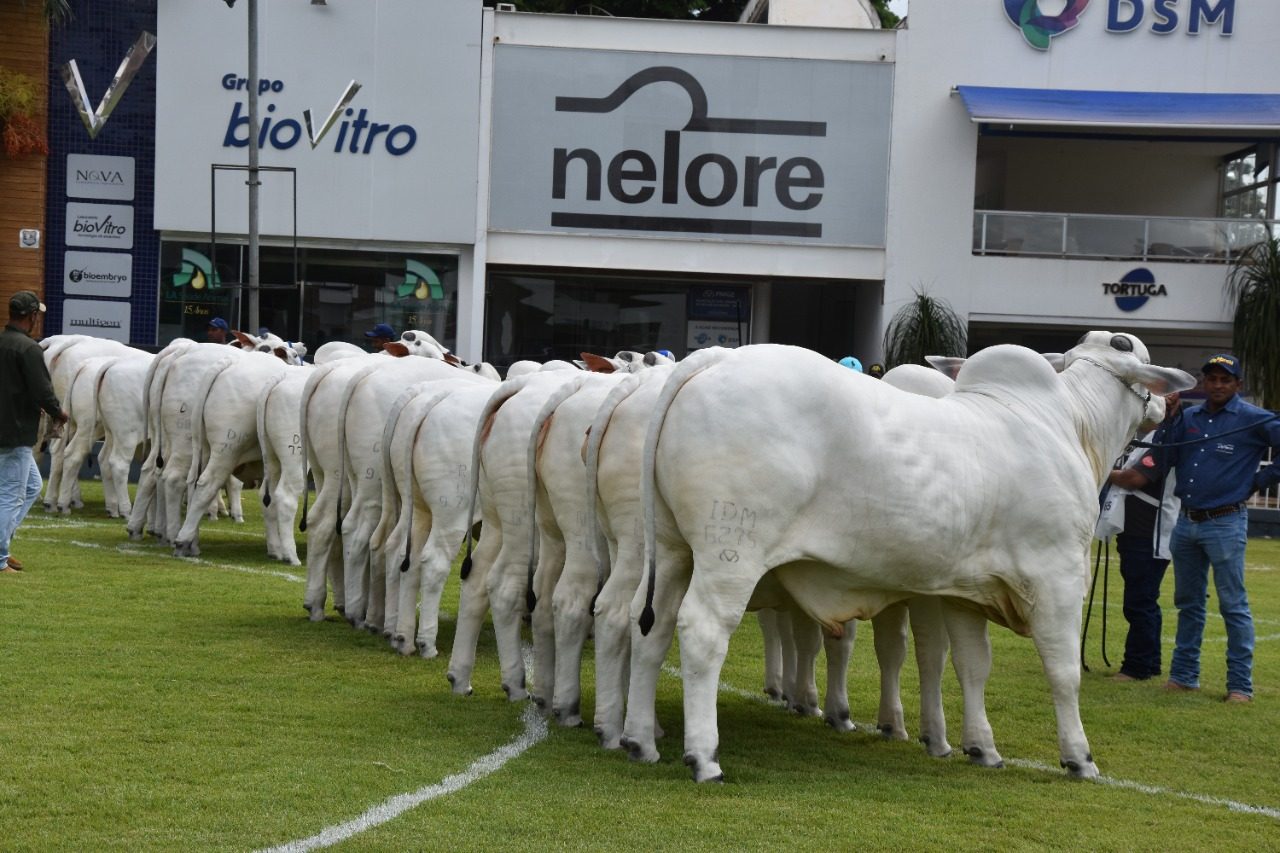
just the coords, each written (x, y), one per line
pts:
(734, 148)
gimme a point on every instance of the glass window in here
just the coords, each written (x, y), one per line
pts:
(321, 295)
(540, 315)
(1249, 183)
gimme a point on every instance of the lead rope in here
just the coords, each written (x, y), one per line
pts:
(1103, 548)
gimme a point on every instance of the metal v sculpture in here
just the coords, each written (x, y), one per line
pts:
(95, 120)
(347, 95)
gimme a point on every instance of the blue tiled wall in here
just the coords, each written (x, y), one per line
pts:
(97, 38)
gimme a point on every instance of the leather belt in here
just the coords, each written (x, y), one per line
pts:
(1199, 515)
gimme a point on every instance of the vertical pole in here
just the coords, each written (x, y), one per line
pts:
(253, 167)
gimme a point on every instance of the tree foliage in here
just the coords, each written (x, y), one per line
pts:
(924, 326)
(1253, 285)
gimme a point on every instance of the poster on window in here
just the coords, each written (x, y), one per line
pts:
(710, 333)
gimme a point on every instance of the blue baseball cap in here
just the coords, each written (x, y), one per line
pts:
(382, 330)
(668, 353)
(219, 323)
(851, 363)
(1226, 361)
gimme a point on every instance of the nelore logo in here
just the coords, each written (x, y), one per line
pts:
(1037, 27)
(1134, 289)
(709, 180)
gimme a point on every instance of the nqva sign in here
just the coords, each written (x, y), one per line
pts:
(676, 145)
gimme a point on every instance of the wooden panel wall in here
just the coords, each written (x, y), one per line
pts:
(24, 47)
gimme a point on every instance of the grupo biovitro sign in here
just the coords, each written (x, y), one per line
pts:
(677, 145)
(355, 134)
(1122, 16)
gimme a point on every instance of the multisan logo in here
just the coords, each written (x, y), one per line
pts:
(93, 226)
(359, 135)
(100, 176)
(197, 271)
(1134, 289)
(709, 180)
(420, 282)
(1037, 27)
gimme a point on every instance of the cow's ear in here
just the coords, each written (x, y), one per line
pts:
(450, 358)
(396, 349)
(282, 354)
(597, 363)
(1161, 380)
(244, 340)
(947, 364)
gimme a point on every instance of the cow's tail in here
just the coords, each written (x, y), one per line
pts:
(309, 389)
(685, 370)
(344, 405)
(405, 484)
(264, 443)
(591, 458)
(158, 371)
(504, 392)
(538, 434)
(391, 486)
(204, 386)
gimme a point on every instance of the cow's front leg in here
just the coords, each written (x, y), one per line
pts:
(835, 706)
(768, 619)
(971, 657)
(1055, 627)
(889, 629)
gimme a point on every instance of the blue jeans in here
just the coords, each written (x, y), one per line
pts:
(19, 487)
(1142, 575)
(1195, 546)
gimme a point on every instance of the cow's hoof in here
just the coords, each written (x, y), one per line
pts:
(890, 731)
(459, 686)
(607, 740)
(134, 535)
(77, 503)
(315, 614)
(637, 751)
(64, 511)
(806, 710)
(569, 718)
(983, 758)
(703, 771)
(515, 694)
(535, 698)
(840, 722)
(773, 693)
(1082, 770)
(428, 651)
(936, 749)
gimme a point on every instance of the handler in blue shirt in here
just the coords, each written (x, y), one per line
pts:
(1216, 476)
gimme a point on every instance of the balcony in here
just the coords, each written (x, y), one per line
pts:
(1136, 238)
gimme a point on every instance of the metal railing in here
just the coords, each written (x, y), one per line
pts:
(1139, 238)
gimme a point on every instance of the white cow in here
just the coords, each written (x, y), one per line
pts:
(944, 497)
(85, 426)
(224, 431)
(283, 461)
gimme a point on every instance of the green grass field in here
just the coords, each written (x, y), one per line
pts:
(152, 703)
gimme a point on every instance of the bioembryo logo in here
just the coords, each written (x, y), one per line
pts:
(1037, 27)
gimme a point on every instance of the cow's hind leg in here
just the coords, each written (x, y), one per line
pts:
(1055, 627)
(889, 629)
(768, 619)
(835, 705)
(803, 689)
(710, 612)
(971, 657)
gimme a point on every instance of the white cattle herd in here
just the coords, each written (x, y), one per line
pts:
(624, 498)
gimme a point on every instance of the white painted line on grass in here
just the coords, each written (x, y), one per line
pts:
(1156, 790)
(136, 549)
(535, 730)
(55, 523)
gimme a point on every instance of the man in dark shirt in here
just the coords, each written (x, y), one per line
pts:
(1150, 512)
(1216, 475)
(379, 336)
(25, 389)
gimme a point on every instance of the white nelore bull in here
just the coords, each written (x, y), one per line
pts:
(986, 497)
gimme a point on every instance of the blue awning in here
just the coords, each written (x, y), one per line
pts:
(1149, 110)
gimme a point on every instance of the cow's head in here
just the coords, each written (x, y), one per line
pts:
(420, 344)
(1126, 358)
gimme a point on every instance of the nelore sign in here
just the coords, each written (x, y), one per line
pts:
(712, 147)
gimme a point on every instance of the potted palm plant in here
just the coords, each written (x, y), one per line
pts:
(924, 326)
(1253, 288)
